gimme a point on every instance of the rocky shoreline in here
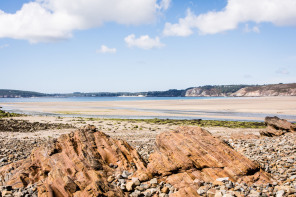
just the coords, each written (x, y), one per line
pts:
(275, 155)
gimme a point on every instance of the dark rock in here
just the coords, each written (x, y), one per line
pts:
(277, 127)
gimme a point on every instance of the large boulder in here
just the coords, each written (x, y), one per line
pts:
(190, 154)
(77, 164)
(86, 162)
(277, 127)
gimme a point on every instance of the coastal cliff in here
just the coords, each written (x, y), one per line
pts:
(247, 91)
(213, 91)
(203, 93)
(268, 90)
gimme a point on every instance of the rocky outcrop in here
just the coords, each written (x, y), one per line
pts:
(267, 90)
(277, 127)
(77, 164)
(89, 163)
(11, 125)
(243, 90)
(188, 156)
(200, 92)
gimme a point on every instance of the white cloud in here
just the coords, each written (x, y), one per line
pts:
(255, 29)
(278, 12)
(183, 28)
(4, 46)
(50, 20)
(105, 49)
(143, 42)
(282, 71)
(164, 4)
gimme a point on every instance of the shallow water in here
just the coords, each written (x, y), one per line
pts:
(86, 99)
(178, 114)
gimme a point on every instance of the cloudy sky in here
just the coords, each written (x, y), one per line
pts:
(140, 45)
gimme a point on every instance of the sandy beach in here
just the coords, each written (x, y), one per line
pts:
(220, 108)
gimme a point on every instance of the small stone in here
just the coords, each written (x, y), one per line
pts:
(110, 179)
(4, 159)
(254, 193)
(6, 193)
(165, 190)
(123, 187)
(147, 193)
(228, 195)
(119, 176)
(168, 185)
(198, 182)
(145, 186)
(152, 191)
(280, 193)
(153, 181)
(130, 186)
(292, 178)
(18, 194)
(122, 181)
(154, 185)
(291, 190)
(140, 188)
(211, 192)
(143, 177)
(125, 174)
(111, 165)
(202, 190)
(218, 194)
(216, 183)
(136, 193)
(136, 181)
(222, 179)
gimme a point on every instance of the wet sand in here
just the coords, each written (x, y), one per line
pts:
(222, 108)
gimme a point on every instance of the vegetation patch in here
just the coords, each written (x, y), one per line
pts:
(4, 114)
(195, 122)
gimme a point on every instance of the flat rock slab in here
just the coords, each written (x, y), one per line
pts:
(192, 153)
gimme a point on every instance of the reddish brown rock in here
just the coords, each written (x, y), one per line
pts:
(189, 154)
(277, 127)
(84, 163)
(76, 164)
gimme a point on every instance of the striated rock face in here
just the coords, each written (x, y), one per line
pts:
(203, 93)
(76, 164)
(267, 90)
(189, 155)
(90, 163)
(277, 127)
(250, 91)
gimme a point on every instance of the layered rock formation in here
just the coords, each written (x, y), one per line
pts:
(204, 93)
(90, 163)
(77, 164)
(277, 127)
(189, 155)
(267, 90)
(243, 90)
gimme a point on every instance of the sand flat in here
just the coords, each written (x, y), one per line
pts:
(228, 108)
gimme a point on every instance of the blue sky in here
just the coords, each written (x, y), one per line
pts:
(130, 45)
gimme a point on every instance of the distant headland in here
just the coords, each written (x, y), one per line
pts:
(200, 91)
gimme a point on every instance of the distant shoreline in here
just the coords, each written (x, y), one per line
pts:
(200, 91)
